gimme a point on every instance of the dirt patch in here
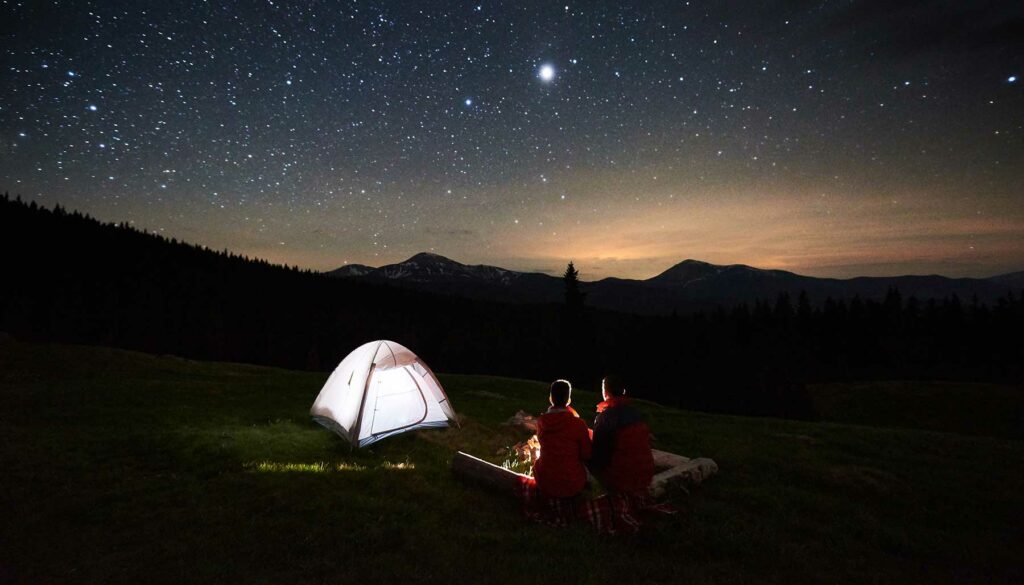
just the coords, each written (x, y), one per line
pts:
(474, 437)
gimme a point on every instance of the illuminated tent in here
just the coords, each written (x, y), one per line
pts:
(378, 390)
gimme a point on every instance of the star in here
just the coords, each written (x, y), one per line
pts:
(377, 131)
(546, 72)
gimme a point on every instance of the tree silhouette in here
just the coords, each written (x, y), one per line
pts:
(574, 297)
(71, 278)
(573, 323)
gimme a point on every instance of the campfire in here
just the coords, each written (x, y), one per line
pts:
(522, 456)
(673, 471)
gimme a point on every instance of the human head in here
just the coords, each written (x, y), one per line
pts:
(561, 393)
(612, 386)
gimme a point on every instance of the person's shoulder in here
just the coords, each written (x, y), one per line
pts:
(557, 416)
(629, 415)
(631, 407)
(543, 419)
(607, 416)
(549, 416)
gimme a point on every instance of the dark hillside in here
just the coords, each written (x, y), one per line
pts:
(70, 278)
(122, 467)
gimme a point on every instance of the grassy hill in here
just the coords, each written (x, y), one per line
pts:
(120, 467)
(969, 408)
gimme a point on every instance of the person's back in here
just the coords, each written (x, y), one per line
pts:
(622, 457)
(564, 447)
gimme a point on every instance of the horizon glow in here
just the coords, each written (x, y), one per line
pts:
(323, 133)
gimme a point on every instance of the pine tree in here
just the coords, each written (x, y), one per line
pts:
(574, 337)
(573, 295)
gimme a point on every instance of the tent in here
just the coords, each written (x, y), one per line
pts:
(378, 390)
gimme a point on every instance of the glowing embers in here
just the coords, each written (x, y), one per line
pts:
(521, 457)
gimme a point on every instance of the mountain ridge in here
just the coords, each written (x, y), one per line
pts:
(686, 286)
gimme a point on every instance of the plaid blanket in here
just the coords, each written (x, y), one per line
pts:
(613, 513)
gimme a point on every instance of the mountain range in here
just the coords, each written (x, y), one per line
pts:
(685, 287)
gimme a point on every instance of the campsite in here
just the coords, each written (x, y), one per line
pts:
(156, 468)
(138, 443)
(520, 292)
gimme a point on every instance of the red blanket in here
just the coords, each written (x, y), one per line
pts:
(613, 513)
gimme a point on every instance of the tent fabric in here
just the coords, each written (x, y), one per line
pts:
(381, 389)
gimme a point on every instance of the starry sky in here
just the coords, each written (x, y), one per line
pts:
(831, 138)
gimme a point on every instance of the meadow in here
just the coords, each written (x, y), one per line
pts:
(123, 467)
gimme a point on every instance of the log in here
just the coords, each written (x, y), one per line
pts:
(489, 475)
(690, 473)
(682, 471)
(666, 459)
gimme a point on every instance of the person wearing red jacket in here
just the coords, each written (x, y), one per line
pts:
(560, 470)
(621, 458)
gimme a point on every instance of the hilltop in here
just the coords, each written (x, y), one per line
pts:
(122, 467)
(70, 278)
(685, 287)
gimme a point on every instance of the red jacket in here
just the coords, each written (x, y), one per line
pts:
(622, 457)
(564, 447)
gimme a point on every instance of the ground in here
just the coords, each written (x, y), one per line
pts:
(121, 467)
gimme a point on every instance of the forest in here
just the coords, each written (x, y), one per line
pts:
(71, 278)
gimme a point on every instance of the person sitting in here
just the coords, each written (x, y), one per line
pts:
(560, 470)
(621, 459)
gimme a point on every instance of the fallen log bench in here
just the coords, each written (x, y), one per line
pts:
(487, 474)
(677, 471)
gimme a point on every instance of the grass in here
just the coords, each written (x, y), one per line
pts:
(989, 410)
(120, 467)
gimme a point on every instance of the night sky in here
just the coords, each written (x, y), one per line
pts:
(827, 138)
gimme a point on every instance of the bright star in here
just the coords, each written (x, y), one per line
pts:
(1012, 79)
(546, 72)
(92, 108)
(469, 102)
